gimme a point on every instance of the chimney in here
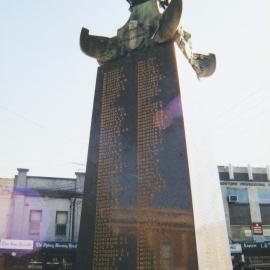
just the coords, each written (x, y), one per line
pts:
(80, 177)
(21, 181)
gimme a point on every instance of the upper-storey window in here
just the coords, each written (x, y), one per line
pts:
(241, 176)
(240, 193)
(264, 201)
(35, 221)
(260, 177)
(239, 211)
(223, 176)
(61, 223)
(264, 196)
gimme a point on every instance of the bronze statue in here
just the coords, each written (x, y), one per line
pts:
(151, 22)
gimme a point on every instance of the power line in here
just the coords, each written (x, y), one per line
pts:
(243, 113)
(247, 128)
(35, 123)
(236, 105)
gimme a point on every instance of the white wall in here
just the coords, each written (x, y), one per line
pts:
(49, 205)
(6, 186)
(50, 183)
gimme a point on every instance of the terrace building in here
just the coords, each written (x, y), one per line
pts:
(44, 222)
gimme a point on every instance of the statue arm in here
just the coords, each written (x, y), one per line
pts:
(169, 22)
(203, 65)
(101, 48)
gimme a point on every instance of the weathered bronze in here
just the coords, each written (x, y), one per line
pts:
(136, 2)
(151, 22)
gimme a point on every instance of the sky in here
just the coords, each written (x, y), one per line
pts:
(47, 84)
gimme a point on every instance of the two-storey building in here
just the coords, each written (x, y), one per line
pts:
(246, 197)
(44, 222)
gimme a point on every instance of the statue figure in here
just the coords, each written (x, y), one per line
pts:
(151, 22)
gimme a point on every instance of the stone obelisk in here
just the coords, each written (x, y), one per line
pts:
(137, 211)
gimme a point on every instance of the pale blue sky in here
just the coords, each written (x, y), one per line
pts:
(47, 84)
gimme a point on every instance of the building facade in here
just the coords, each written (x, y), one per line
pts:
(44, 222)
(42, 214)
(6, 188)
(246, 197)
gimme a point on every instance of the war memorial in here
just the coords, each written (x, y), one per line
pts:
(138, 210)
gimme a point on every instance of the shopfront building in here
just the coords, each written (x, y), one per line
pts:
(246, 198)
(43, 256)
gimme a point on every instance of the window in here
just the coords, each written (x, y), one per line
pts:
(241, 176)
(239, 210)
(223, 176)
(241, 233)
(264, 197)
(240, 218)
(265, 213)
(35, 220)
(264, 202)
(239, 214)
(260, 177)
(61, 223)
(241, 193)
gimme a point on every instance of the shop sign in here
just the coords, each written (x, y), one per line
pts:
(225, 183)
(16, 244)
(249, 246)
(252, 184)
(54, 245)
(265, 245)
(257, 228)
(236, 248)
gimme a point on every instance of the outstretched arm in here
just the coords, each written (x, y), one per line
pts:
(101, 48)
(169, 22)
(203, 65)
